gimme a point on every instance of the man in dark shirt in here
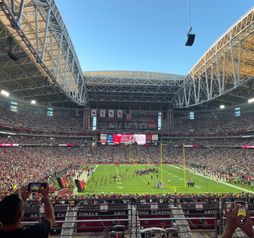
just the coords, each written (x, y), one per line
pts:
(12, 212)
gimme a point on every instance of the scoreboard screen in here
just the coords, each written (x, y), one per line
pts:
(116, 138)
(103, 139)
(110, 139)
(128, 138)
(140, 139)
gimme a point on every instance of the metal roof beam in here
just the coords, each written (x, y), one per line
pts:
(37, 25)
(223, 68)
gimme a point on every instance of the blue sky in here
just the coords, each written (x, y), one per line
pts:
(146, 35)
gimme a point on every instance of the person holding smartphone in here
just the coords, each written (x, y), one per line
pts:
(235, 218)
(12, 212)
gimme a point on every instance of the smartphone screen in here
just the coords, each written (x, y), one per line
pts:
(242, 210)
(36, 187)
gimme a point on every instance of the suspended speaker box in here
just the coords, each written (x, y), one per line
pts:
(190, 39)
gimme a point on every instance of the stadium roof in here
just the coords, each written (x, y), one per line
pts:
(132, 89)
(38, 61)
(20, 75)
(225, 73)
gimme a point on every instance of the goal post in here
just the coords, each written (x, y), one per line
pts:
(163, 168)
(184, 165)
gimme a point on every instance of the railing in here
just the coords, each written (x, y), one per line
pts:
(129, 218)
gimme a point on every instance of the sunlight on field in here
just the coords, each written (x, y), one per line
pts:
(141, 179)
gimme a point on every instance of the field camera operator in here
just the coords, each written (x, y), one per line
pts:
(12, 212)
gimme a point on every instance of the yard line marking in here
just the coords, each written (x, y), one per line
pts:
(228, 184)
(175, 176)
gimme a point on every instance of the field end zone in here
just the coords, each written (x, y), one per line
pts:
(224, 183)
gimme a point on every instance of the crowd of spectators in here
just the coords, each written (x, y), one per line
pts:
(24, 164)
(214, 122)
(227, 164)
(40, 140)
(38, 121)
(150, 198)
(81, 140)
(40, 157)
(35, 119)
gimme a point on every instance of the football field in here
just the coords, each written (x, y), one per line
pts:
(153, 179)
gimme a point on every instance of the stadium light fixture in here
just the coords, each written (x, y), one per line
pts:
(251, 100)
(222, 106)
(5, 93)
(33, 102)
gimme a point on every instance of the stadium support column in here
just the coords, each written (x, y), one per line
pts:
(170, 120)
(86, 119)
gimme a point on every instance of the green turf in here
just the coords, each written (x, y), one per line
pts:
(128, 182)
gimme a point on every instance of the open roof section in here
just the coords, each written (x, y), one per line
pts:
(225, 72)
(132, 89)
(47, 68)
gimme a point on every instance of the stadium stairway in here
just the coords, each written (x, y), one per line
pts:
(182, 224)
(239, 233)
(134, 224)
(69, 223)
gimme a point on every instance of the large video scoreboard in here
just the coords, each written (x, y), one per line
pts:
(140, 139)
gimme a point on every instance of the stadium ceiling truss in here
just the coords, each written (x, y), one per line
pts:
(225, 72)
(131, 86)
(38, 61)
(37, 57)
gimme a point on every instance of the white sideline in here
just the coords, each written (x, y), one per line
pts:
(228, 184)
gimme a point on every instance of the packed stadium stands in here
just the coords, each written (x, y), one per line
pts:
(228, 163)
(44, 157)
(206, 123)
(59, 141)
(35, 120)
(216, 122)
